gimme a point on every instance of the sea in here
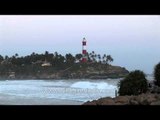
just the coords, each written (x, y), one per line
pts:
(81, 90)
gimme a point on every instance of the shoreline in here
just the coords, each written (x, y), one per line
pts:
(6, 99)
(141, 99)
(62, 79)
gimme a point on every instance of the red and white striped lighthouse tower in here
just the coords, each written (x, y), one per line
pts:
(84, 50)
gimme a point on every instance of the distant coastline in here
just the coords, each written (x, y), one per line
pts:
(89, 72)
(55, 66)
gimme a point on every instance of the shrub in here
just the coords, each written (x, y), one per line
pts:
(133, 84)
(157, 74)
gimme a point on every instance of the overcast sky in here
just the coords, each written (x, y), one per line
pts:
(132, 40)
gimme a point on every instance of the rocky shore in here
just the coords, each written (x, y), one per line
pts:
(143, 99)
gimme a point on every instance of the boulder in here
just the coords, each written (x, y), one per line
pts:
(133, 102)
(157, 96)
(143, 99)
(151, 98)
(122, 99)
(155, 103)
(120, 104)
(155, 89)
(90, 103)
(105, 101)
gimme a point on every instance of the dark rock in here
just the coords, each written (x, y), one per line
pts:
(118, 103)
(155, 89)
(151, 98)
(90, 103)
(105, 101)
(133, 102)
(157, 96)
(143, 99)
(122, 99)
(155, 103)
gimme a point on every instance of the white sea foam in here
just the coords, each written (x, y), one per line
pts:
(92, 85)
(82, 90)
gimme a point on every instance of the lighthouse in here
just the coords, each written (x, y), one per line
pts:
(84, 50)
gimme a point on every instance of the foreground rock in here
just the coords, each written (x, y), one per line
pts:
(143, 99)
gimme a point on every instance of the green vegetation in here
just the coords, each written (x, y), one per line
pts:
(157, 74)
(134, 83)
(48, 64)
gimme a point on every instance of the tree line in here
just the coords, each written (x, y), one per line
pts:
(55, 58)
(32, 64)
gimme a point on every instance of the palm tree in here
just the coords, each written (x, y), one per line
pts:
(33, 53)
(104, 59)
(69, 59)
(78, 56)
(16, 55)
(109, 59)
(46, 53)
(13, 59)
(93, 52)
(6, 57)
(99, 57)
(93, 56)
(56, 54)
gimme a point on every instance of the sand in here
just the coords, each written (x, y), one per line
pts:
(19, 100)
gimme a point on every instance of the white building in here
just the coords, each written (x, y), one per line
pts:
(46, 64)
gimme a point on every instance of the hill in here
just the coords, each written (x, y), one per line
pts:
(57, 66)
